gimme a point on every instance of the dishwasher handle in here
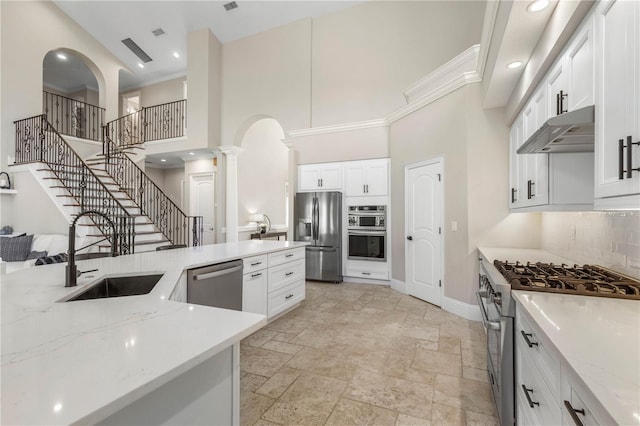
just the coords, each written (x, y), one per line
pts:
(217, 273)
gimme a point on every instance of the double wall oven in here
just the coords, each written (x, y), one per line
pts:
(367, 232)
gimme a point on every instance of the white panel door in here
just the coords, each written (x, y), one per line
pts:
(202, 204)
(423, 207)
(516, 165)
(355, 176)
(556, 83)
(308, 178)
(331, 177)
(377, 178)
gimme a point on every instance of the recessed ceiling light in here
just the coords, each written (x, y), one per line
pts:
(537, 5)
(514, 65)
(61, 56)
(140, 65)
(192, 153)
(163, 160)
(176, 55)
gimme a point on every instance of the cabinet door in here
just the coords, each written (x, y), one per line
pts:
(580, 68)
(308, 177)
(515, 164)
(355, 176)
(617, 97)
(377, 178)
(254, 292)
(331, 177)
(555, 83)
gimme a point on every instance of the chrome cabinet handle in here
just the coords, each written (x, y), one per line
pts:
(529, 400)
(288, 255)
(526, 339)
(620, 159)
(513, 195)
(289, 296)
(288, 273)
(256, 275)
(256, 263)
(529, 183)
(621, 164)
(572, 412)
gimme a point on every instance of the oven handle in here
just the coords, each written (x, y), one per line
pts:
(492, 325)
(373, 233)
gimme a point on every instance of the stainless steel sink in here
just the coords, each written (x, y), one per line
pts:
(118, 287)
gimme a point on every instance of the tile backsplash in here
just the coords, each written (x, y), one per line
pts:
(609, 239)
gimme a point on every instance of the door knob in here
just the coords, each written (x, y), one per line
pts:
(410, 238)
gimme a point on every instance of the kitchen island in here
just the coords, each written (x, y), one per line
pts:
(137, 359)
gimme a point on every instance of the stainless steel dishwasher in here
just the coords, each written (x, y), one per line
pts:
(218, 285)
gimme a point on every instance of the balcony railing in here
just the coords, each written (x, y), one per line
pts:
(153, 123)
(73, 118)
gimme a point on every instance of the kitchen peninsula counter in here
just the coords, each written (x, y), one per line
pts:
(84, 361)
(598, 338)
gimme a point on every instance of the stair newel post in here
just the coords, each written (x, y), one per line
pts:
(41, 136)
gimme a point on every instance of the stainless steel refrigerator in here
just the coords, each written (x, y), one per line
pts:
(318, 221)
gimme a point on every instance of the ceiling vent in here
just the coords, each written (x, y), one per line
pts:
(230, 6)
(137, 50)
(158, 32)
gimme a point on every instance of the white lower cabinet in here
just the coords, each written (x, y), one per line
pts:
(286, 280)
(547, 390)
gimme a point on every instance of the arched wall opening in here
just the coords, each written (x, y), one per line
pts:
(263, 173)
(73, 90)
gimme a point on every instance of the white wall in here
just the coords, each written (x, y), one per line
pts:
(609, 239)
(262, 172)
(161, 93)
(169, 181)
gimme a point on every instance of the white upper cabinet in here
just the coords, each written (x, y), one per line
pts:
(320, 177)
(516, 165)
(533, 181)
(617, 126)
(367, 178)
(556, 90)
(580, 66)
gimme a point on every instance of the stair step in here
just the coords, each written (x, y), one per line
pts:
(137, 233)
(142, 243)
(95, 197)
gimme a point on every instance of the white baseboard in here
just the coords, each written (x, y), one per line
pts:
(364, 281)
(462, 309)
(398, 285)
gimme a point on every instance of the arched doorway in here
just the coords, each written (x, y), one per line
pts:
(263, 175)
(71, 95)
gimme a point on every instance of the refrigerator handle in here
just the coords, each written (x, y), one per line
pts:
(316, 218)
(313, 219)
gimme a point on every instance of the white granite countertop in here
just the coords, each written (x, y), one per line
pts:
(598, 337)
(79, 362)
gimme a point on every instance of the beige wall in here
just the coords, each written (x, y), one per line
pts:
(262, 172)
(359, 144)
(364, 56)
(169, 181)
(474, 144)
(161, 93)
(267, 75)
(609, 239)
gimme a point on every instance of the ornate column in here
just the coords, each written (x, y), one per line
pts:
(231, 153)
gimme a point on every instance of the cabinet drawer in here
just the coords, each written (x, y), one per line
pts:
(280, 257)
(540, 350)
(282, 275)
(577, 398)
(372, 275)
(286, 297)
(254, 263)
(545, 409)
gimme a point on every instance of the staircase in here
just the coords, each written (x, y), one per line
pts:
(110, 183)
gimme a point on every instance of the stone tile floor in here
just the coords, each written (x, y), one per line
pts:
(358, 354)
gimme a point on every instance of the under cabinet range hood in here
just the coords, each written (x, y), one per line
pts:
(568, 132)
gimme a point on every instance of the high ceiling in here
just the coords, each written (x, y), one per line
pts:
(112, 21)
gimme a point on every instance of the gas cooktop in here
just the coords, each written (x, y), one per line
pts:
(588, 280)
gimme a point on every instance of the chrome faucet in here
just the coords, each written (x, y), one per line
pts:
(71, 275)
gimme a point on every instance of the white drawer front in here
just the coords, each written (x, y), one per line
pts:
(280, 257)
(282, 275)
(372, 275)
(540, 350)
(577, 398)
(286, 297)
(254, 263)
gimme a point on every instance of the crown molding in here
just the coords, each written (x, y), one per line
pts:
(488, 28)
(228, 150)
(462, 70)
(345, 127)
